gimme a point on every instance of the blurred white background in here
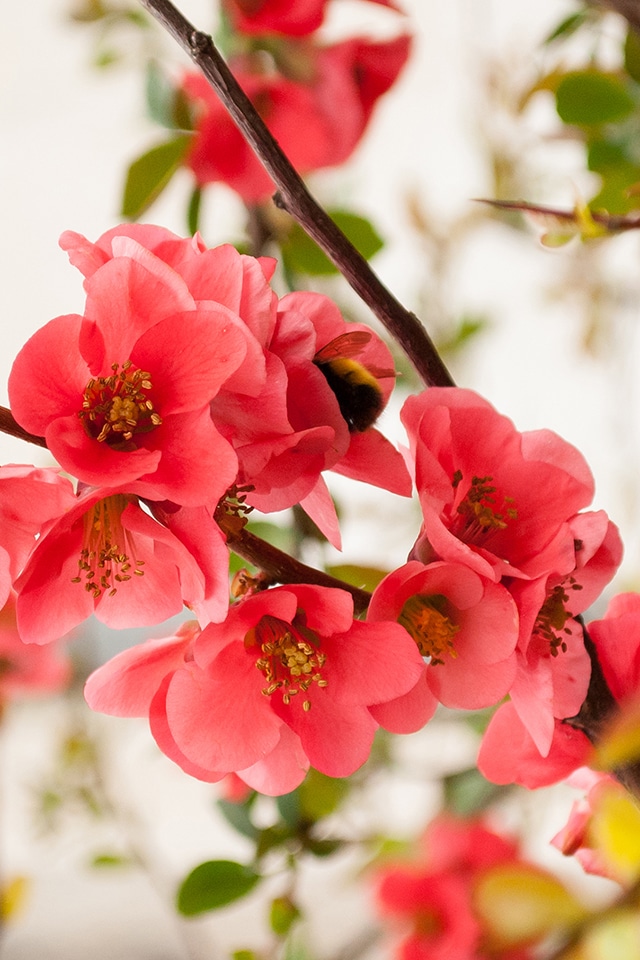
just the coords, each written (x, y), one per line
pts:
(69, 132)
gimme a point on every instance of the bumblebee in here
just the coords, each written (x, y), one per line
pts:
(356, 388)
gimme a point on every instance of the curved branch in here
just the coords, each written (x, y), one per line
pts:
(9, 424)
(282, 568)
(294, 197)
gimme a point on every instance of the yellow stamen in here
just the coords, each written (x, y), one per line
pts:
(105, 558)
(290, 663)
(552, 617)
(477, 512)
(117, 407)
(424, 617)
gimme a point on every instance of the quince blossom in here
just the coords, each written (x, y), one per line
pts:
(494, 499)
(464, 626)
(300, 430)
(432, 900)
(106, 555)
(122, 393)
(30, 498)
(27, 669)
(299, 111)
(286, 681)
(295, 18)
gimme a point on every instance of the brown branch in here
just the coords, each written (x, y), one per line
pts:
(9, 424)
(281, 568)
(596, 713)
(629, 9)
(294, 197)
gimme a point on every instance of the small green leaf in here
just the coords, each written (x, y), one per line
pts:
(193, 210)
(567, 27)
(239, 817)
(367, 578)
(302, 255)
(282, 915)
(587, 97)
(214, 884)
(149, 174)
(110, 860)
(321, 795)
(632, 54)
(467, 793)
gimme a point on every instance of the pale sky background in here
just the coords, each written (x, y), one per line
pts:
(68, 133)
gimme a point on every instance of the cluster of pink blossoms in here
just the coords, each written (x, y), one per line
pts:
(185, 378)
(435, 904)
(294, 81)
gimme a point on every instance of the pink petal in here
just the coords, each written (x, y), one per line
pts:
(319, 506)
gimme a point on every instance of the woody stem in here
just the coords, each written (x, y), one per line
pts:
(294, 197)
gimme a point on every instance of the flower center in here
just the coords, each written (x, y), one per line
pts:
(289, 662)
(105, 558)
(553, 615)
(115, 408)
(424, 617)
(477, 514)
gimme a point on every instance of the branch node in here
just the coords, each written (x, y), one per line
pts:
(199, 42)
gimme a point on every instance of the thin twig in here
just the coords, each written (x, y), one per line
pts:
(9, 424)
(294, 197)
(282, 568)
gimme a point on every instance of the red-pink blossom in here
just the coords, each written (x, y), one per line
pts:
(466, 627)
(285, 681)
(497, 500)
(553, 665)
(295, 18)
(574, 839)
(122, 393)
(299, 112)
(300, 430)
(26, 669)
(30, 498)
(431, 899)
(508, 753)
(108, 556)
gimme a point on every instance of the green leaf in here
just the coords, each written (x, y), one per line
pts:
(282, 915)
(149, 174)
(518, 903)
(302, 255)
(110, 860)
(239, 817)
(321, 795)
(632, 54)
(214, 884)
(166, 103)
(587, 97)
(467, 793)
(367, 578)
(567, 27)
(193, 210)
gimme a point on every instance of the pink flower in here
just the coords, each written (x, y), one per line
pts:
(295, 18)
(464, 626)
(485, 489)
(617, 640)
(308, 431)
(574, 839)
(30, 497)
(27, 669)
(432, 898)
(508, 753)
(553, 665)
(106, 555)
(122, 393)
(301, 429)
(285, 681)
(299, 112)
